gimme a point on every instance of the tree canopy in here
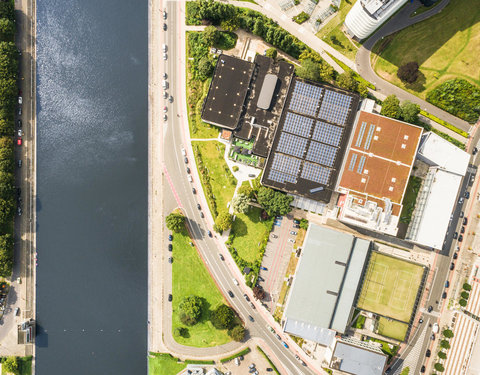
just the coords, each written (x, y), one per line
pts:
(237, 333)
(224, 221)
(241, 203)
(175, 221)
(408, 72)
(274, 202)
(10, 365)
(271, 52)
(190, 310)
(409, 112)
(222, 317)
(391, 107)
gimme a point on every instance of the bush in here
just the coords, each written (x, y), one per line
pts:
(237, 333)
(442, 355)
(180, 332)
(243, 352)
(458, 97)
(10, 365)
(467, 287)
(448, 333)
(445, 344)
(462, 303)
(408, 72)
(301, 18)
(439, 367)
(304, 224)
(235, 168)
(444, 123)
(271, 52)
(272, 365)
(464, 295)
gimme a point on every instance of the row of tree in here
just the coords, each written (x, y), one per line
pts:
(8, 99)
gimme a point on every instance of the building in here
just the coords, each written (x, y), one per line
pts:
(368, 15)
(376, 170)
(325, 285)
(438, 194)
(351, 356)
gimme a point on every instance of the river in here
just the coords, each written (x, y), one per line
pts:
(92, 187)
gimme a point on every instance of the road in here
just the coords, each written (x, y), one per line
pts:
(178, 192)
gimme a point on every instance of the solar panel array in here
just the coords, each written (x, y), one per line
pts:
(335, 107)
(327, 133)
(305, 98)
(316, 173)
(292, 145)
(297, 124)
(321, 153)
(286, 167)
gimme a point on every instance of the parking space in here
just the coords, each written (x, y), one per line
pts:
(243, 365)
(276, 258)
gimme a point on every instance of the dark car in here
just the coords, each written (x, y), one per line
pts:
(194, 191)
(460, 238)
(251, 318)
(296, 226)
(462, 230)
(428, 353)
(461, 214)
(252, 305)
(246, 297)
(170, 247)
(269, 369)
(422, 369)
(198, 206)
(260, 278)
(278, 336)
(19, 123)
(455, 235)
(447, 284)
(295, 221)
(452, 266)
(444, 295)
(465, 221)
(170, 237)
(430, 308)
(221, 257)
(170, 99)
(202, 215)
(432, 337)
(455, 255)
(164, 27)
(209, 234)
(467, 194)
(185, 160)
(170, 260)
(170, 298)
(475, 150)
(188, 170)
(230, 293)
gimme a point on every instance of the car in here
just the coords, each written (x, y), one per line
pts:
(291, 240)
(428, 353)
(170, 99)
(165, 57)
(20, 132)
(170, 247)
(430, 308)
(164, 27)
(475, 150)
(455, 255)
(420, 321)
(252, 370)
(461, 214)
(17, 310)
(296, 226)
(251, 175)
(241, 357)
(260, 278)
(264, 268)
(447, 284)
(202, 215)
(19, 280)
(170, 260)
(278, 336)
(194, 191)
(432, 337)
(165, 76)
(252, 305)
(19, 163)
(19, 112)
(221, 257)
(452, 266)
(19, 141)
(455, 235)
(165, 108)
(170, 298)
(19, 123)
(189, 178)
(293, 233)
(460, 238)
(198, 206)
(20, 100)
(219, 51)
(164, 48)
(209, 234)
(19, 192)
(164, 14)
(472, 179)
(460, 201)
(235, 282)
(422, 369)
(444, 295)
(165, 117)
(165, 95)
(465, 221)
(251, 366)
(188, 170)
(435, 328)
(230, 293)
(237, 361)
(274, 236)
(246, 298)
(467, 195)
(462, 230)
(284, 344)
(185, 160)
(170, 237)
(278, 217)
(269, 369)
(213, 50)
(19, 211)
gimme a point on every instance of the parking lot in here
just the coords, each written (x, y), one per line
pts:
(276, 258)
(243, 366)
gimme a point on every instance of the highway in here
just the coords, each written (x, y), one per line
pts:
(175, 137)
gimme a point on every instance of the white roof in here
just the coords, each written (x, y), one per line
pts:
(444, 154)
(438, 206)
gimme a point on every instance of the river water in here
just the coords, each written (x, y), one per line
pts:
(92, 187)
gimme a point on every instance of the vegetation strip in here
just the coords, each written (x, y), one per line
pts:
(444, 123)
(233, 356)
(356, 76)
(268, 359)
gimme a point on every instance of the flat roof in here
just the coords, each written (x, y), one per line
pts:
(266, 93)
(310, 140)
(380, 157)
(435, 204)
(438, 151)
(228, 89)
(356, 360)
(326, 280)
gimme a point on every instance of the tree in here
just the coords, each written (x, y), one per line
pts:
(222, 317)
(445, 344)
(237, 333)
(408, 72)
(210, 35)
(10, 365)
(442, 355)
(6, 126)
(409, 112)
(271, 52)
(439, 367)
(224, 221)
(347, 80)
(7, 182)
(304, 224)
(274, 202)
(462, 302)
(309, 70)
(326, 72)
(362, 89)
(205, 68)
(190, 309)
(245, 190)
(391, 107)
(241, 203)
(180, 332)
(465, 295)
(258, 292)
(448, 333)
(175, 221)
(467, 287)
(7, 29)
(6, 210)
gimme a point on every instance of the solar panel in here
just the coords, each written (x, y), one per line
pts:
(321, 153)
(353, 160)
(291, 145)
(360, 134)
(296, 124)
(361, 164)
(368, 140)
(335, 107)
(286, 165)
(315, 173)
(305, 98)
(327, 133)
(281, 177)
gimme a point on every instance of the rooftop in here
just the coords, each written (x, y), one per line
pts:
(358, 360)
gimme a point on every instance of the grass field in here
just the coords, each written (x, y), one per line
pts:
(164, 364)
(249, 231)
(410, 198)
(392, 328)
(445, 46)
(390, 287)
(191, 277)
(221, 178)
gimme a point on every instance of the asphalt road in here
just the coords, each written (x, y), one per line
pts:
(209, 248)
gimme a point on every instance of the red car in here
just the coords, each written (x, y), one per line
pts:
(19, 141)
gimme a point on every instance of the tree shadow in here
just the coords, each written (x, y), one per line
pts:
(241, 228)
(205, 311)
(419, 84)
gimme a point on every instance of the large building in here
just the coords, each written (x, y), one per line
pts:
(376, 171)
(438, 194)
(325, 285)
(367, 15)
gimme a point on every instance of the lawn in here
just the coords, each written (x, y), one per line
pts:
(332, 34)
(190, 277)
(220, 179)
(445, 46)
(249, 231)
(24, 365)
(164, 364)
(392, 328)
(410, 198)
(390, 287)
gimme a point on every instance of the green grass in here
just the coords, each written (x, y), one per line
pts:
(333, 29)
(24, 365)
(164, 364)
(422, 9)
(445, 46)
(248, 232)
(191, 277)
(444, 123)
(301, 18)
(356, 76)
(410, 198)
(360, 322)
(222, 181)
(243, 352)
(390, 287)
(392, 328)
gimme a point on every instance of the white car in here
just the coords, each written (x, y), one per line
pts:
(20, 100)
(235, 281)
(184, 153)
(20, 132)
(164, 56)
(435, 328)
(164, 14)
(165, 118)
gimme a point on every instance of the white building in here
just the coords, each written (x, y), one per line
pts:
(367, 15)
(438, 194)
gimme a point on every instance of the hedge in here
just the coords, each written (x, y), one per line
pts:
(198, 362)
(207, 187)
(243, 352)
(268, 359)
(444, 123)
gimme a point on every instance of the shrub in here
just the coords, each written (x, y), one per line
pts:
(445, 344)
(467, 287)
(301, 18)
(408, 72)
(442, 355)
(448, 333)
(439, 367)
(268, 359)
(464, 295)
(304, 224)
(237, 333)
(243, 352)
(235, 168)
(271, 52)
(10, 365)
(462, 302)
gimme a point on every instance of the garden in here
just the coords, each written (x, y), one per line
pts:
(241, 151)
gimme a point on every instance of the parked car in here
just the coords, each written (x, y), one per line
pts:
(19, 163)
(269, 369)
(295, 221)
(20, 132)
(164, 14)
(467, 194)
(278, 336)
(452, 266)
(19, 211)
(293, 233)
(170, 247)
(460, 201)
(475, 150)
(435, 328)
(170, 298)
(19, 141)
(19, 111)
(246, 298)
(252, 305)
(20, 100)
(465, 221)
(230, 293)
(170, 260)
(170, 237)
(194, 191)
(170, 99)
(235, 282)
(202, 215)
(428, 353)
(460, 238)
(209, 234)
(165, 76)
(461, 214)
(185, 160)
(221, 257)
(284, 344)
(260, 278)
(430, 308)
(17, 310)
(19, 123)
(164, 27)
(188, 170)
(444, 295)
(455, 235)
(165, 57)
(432, 337)
(264, 268)
(165, 117)
(422, 369)
(447, 284)
(251, 318)
(198, 206)
(455, 255)
(274, 236)
(291, 240)
(165, 95)
(462, 230)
